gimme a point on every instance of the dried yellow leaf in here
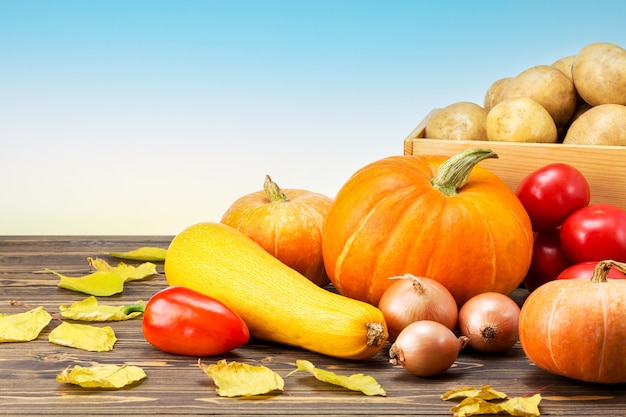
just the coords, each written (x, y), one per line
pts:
(146, 253)
(83, 336)
(485, 392)
(517, 406)
(476, 402)
(473, 406)
(90, 310)
(236, 379)
(355, 382)
(523, 406)
(23, 327)
(101, 376)
(100, 283)
(128, 272)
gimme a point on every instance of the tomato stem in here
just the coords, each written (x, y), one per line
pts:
(132, 308)
(453, 173)
(273, 191)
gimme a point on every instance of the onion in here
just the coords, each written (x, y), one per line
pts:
(426, 348)
(410, 299)
(490, 321)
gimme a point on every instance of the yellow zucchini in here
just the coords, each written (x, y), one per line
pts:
(277, 303)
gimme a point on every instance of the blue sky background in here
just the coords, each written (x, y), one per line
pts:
(144, 117)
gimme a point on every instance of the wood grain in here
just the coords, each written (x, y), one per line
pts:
(603, 166)
(176, 386)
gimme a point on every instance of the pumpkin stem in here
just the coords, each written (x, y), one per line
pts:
(273, 191)
(601, 271)
(453, 173)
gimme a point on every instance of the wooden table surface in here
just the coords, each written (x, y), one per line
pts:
(176, 386)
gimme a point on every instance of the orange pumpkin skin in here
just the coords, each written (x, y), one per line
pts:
(289, 230)
(389, 220)
(576, 328)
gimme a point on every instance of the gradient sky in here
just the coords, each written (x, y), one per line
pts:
(144, 117)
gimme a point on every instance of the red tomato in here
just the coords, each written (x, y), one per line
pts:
(552, 193)
(548, 260)
(585, 270)
(185, 322)
(595, 233)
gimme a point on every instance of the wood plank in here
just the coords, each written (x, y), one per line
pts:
(176, 386)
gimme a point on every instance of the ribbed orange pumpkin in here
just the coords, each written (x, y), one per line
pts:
(287, 223)
(577, 327)
(446, 219)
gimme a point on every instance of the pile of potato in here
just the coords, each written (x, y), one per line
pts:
(579, 99)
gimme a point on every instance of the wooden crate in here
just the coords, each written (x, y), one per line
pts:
(603, 166)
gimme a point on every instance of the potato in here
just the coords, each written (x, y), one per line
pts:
(580, 109)
(520, 119)
(604, 124)
(549, 87)
(599, 73)
(493, 95)
(565, 65)
(458, 121)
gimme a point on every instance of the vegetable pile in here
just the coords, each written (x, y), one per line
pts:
(578, 99)
(568, 231)
(572, 322)
(422, 253)
(425, 320)
(391, 248)
(447, 219)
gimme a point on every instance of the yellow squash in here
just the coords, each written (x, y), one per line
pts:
(277, 303)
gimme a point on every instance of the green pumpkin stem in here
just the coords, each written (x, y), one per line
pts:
(453, 173)
(273, 191)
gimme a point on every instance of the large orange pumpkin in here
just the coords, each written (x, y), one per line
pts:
(446, 219)
(577, 327)
(287, 223)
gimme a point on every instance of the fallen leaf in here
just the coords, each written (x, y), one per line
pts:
(83, 336)
(517, 406)
(485, 392)
(523, 406)
(23, 327)
(128, 272)
(101, 376)
(472, 406)
(90, 310)
(236, 379)
(146, 253)
(100, 283)
(355, 382)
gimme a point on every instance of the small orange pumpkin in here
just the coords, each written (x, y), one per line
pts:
(286, 223)
(577, 327)
(427, 215)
